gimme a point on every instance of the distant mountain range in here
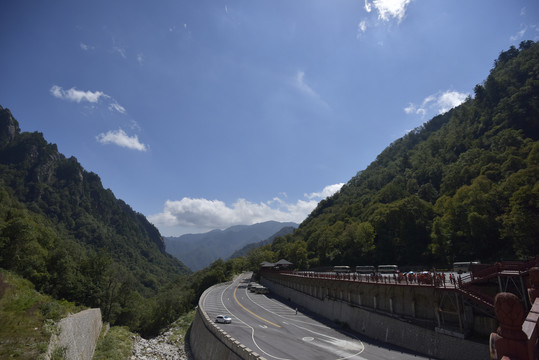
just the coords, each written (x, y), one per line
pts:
(245, 250)
(197, 251)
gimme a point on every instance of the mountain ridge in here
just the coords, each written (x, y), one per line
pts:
(200, 250)
(73, 239)
(244, 251)
(461, 187)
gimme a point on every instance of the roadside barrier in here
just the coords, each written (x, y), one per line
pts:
(430, 279)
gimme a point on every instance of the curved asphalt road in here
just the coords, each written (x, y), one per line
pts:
(272, 328)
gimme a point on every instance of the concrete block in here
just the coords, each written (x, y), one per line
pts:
(79, 334)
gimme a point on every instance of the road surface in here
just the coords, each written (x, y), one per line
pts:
(277, 330)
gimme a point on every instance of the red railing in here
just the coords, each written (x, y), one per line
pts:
(417, 279)
(508, 266)
(476, 294)
(463, 284)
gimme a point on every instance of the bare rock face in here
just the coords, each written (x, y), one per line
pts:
(9, 127)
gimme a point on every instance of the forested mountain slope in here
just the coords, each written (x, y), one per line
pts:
(72, 238)
(464, 186)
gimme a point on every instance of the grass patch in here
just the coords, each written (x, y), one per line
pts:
(26, 317)
(59, 353)
(116, 345)
(180, 327)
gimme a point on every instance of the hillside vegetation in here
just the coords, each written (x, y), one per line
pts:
(461, 187)
(27, 318)
(60, 229)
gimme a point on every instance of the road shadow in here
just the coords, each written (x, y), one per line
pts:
(344, 329)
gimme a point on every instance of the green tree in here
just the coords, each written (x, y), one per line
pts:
(521, 223)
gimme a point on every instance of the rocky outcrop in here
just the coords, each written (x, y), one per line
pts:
(9, 127)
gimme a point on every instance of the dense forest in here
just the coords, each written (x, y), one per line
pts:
(463, 186)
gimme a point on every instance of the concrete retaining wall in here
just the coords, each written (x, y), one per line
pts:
(208, 341)
(381, 324)
(78, 335)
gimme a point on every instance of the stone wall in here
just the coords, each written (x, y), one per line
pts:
(381, 313)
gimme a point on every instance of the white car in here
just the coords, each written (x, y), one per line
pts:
(223, 319)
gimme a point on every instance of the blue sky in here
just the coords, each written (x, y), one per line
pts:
(207, 114)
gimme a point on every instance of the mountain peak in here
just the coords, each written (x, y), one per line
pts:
(9, 127)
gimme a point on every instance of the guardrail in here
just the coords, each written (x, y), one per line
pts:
(440, 280)
(518, 267)
(242, 351)
(437, 280)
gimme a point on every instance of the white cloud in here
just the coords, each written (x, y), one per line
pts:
(450, 99)
(361, 28)
(140, 58)
(120, 50)
(519, 35)
(438, 103)
(388, 9)
(76, 95)
(117, 107)
(86, 47)
(327, 191)
(79, 96)
(368, 6)
(299, 82)
(120, 138)
(133, 125)
(119, 47)
(201, 215)
(411, 109)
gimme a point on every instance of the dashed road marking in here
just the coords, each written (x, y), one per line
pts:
(250, 312)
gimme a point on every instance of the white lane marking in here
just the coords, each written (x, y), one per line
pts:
(338, 343)
(289, 318)
(252, 329)
(332, 339)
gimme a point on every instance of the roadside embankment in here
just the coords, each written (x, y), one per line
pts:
(78, 335)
